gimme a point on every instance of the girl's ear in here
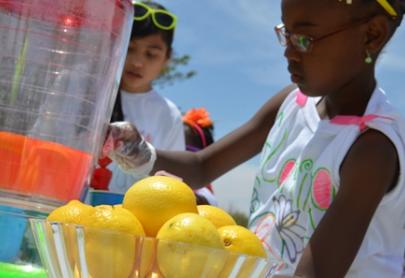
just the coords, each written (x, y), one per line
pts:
(379, 30)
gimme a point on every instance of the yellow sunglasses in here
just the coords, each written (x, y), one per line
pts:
(161, 18)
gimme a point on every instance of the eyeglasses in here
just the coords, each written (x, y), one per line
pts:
(161, 18)
(304, 43)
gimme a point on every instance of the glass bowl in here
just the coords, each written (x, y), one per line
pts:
(68, 250)
(19, 257)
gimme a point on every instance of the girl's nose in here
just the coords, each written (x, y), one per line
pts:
(137, 63)
(291, 53)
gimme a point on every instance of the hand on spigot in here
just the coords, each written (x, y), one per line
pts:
(126, 146)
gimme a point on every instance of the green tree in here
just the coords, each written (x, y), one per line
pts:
(175, 72)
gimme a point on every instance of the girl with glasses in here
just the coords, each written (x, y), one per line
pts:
(329, 196)
(157, 118)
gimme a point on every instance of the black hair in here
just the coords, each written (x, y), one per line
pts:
(196, 137)
(146, 27)
(117, 114)
(399, 7)
(141, 29)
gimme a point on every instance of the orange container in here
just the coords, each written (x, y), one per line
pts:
(42, 168)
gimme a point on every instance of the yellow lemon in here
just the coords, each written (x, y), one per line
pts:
(239, 239)
(74, 212)
(189, 243)
(216, 215)
(191, 228)
(110, 242)
(114, 218)
(156, 199)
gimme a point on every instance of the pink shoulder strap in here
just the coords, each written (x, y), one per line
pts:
(361, 122)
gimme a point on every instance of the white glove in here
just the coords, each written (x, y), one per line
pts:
(126, 146)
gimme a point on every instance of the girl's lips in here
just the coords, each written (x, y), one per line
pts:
(295, 78)
(134, 74)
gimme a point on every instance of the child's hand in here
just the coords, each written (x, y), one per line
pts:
(167, 174)
(126, 146)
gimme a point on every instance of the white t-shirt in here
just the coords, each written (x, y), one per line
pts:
(299, 178)
(158, 120)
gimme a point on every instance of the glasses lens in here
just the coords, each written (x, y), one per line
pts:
(282, 38)
(281, 34)
(301, 42)
(164, 19)
(140, 11)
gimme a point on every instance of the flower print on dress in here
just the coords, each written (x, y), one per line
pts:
(284, 219)
(288, 227)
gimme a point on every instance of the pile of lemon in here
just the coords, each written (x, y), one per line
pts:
(191, 239)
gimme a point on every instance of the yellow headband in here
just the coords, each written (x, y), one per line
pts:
(384, 3)
(387, 6)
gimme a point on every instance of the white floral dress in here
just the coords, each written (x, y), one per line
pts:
(299, 178)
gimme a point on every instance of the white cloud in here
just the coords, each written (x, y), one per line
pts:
(233, 190)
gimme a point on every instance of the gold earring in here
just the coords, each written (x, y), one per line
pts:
(368, 59)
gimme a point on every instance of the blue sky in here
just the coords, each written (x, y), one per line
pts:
(240, 65)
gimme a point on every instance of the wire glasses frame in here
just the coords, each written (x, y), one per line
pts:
(304, 43)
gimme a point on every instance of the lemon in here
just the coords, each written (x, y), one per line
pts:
(239, 239)
(156, 199)
(216, 215)
(114, 218)
(189, 243)
(74, 212)
(110, 241)
(191, 228)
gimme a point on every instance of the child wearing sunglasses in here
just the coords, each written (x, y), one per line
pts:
(157, 118)
(329, 196)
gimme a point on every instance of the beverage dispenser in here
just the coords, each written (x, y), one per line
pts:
(60, 66)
